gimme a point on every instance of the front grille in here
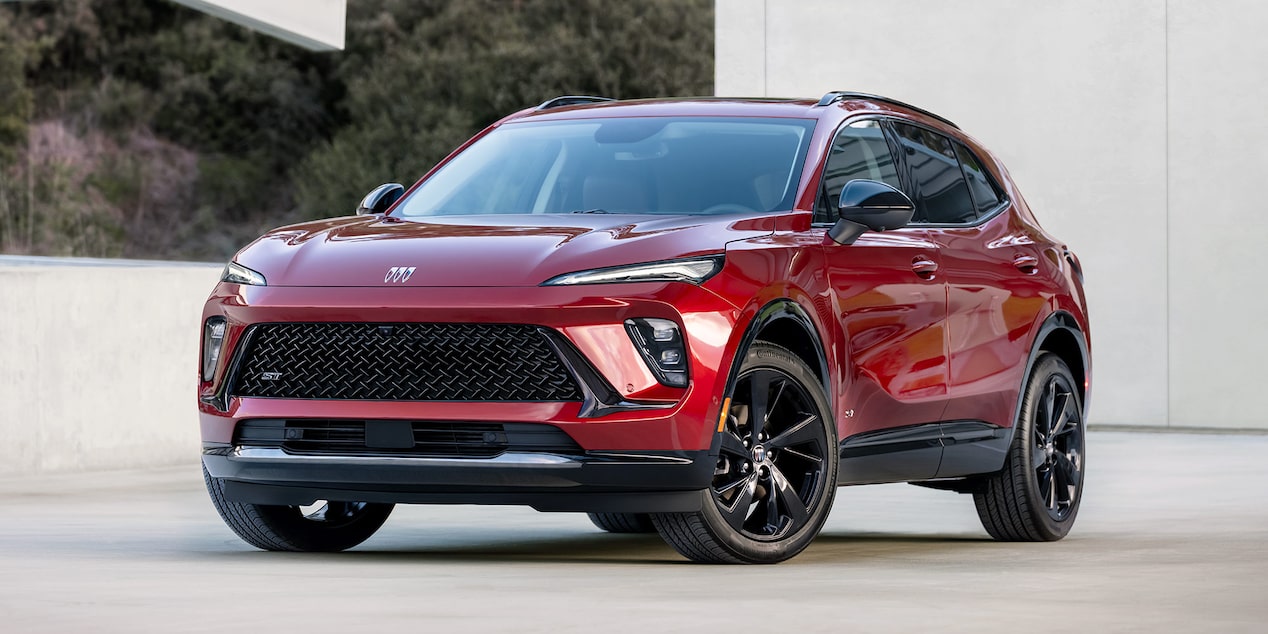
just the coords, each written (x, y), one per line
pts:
(403, 438)
(403, 362)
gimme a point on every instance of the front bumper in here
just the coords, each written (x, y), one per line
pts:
(642, 482)
(629, 459)
(591, 318)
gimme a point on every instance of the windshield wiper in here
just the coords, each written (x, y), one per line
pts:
(590, 211)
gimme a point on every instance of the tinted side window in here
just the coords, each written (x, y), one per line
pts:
(941, 195)
(858, 151)
(984, 194)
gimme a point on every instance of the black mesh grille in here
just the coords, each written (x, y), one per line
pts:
(403, 438)
(403, 362)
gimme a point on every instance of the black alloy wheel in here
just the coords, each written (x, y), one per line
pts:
(1057, 453)
(776, 469)
(1036, 495)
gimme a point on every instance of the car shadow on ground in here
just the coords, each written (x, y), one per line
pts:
(608, 549)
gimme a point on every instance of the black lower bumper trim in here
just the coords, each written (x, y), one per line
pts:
(606, 502)
(595, 482)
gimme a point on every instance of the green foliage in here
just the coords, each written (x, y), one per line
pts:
(165, 132)
(15, 97)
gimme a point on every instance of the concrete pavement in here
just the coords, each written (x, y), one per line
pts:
(1172, 536)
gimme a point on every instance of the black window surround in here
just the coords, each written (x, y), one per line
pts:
(982, 217)
(905, 177)
(938, 185)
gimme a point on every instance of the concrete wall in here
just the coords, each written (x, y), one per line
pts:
(1136, 130)
(98, 363)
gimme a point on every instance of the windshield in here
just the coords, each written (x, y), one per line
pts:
(639, 165)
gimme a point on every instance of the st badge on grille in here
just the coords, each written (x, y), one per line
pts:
(398, 274)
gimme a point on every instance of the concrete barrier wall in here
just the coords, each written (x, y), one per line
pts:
(98, 363)
(1134, 128)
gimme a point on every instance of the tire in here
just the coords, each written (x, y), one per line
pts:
(1035, 498)
(623, 522)
(769, 497)
(333, 527)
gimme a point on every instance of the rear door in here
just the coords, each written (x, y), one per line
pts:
(989, 263)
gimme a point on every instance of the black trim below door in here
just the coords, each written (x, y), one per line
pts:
(923, 452)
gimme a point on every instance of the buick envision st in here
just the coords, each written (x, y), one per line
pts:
(690, 316)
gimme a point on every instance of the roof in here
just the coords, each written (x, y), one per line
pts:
(584, 107)
(686, 106)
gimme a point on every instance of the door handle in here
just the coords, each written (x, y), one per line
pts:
(1027, 264)
(924, 267)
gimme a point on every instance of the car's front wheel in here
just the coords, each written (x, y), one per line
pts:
(326, 526)
(1036, 496)
(776, 472)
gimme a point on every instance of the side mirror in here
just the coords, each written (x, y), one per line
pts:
(380, 198)
(869, 205)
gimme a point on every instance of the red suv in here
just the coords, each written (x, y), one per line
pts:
(690, 316)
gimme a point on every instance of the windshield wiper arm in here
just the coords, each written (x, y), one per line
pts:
(590, 211)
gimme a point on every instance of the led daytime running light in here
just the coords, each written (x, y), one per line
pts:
(693, 271)
(237, 274)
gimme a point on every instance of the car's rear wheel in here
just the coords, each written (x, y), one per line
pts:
(1036, 496)
(776, 473)
(326, 526)
(623, 522)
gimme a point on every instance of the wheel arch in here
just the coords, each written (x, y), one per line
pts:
(1061, 335)
(785, 323)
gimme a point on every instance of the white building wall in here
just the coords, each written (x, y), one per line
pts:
(313, 24)
(1133, 127)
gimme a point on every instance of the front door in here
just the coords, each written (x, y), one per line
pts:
(891, 301)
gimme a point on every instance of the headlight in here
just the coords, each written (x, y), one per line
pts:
(660, 343)
(213, 340)
(237, 274)
(694, 271)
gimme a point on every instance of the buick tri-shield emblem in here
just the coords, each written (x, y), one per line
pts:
(399, 274)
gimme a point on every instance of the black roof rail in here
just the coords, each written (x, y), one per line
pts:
(840, 95)
(571, 100)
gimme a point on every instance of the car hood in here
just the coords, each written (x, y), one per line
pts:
(508, 250)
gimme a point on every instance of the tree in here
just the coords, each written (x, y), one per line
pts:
(180, 135)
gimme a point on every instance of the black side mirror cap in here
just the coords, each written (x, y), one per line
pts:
(380, 199)
(868, 205)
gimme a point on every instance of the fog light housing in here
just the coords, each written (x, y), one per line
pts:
(213, 341)
(661, 344)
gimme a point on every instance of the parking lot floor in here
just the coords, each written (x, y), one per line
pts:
(1172, 537)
